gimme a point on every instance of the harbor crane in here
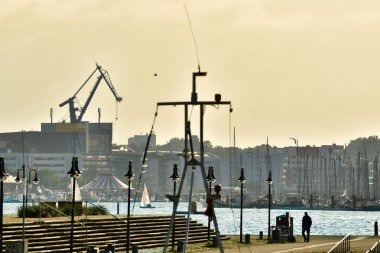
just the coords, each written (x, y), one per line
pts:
(71, 101)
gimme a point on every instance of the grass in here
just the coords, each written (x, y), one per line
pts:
(265, 246)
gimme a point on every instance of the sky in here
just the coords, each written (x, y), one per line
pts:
(302, 69)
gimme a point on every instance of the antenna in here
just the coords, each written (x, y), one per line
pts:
(51, 115)
(99, 114)
(192, 32)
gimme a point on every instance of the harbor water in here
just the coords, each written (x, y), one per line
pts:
(255, 220)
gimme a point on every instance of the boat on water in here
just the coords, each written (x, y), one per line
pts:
(291, 200)
(145, 200)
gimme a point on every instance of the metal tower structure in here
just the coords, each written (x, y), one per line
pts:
(192, 162)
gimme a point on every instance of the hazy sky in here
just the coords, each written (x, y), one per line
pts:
(305, 69)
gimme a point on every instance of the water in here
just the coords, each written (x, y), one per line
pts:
(255, 220)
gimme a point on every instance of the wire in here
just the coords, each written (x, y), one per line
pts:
(192, 32)
(144, 159)
(191, 112)
(117, 111)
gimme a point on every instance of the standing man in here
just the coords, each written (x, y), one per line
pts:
(306, 224)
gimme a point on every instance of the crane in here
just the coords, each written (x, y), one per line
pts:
(71, 101)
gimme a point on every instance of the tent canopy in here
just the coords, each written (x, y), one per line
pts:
(105, 181)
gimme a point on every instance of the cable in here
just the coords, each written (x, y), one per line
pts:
(117, 111)
(144, 158)
(191, 112)
(192, 32)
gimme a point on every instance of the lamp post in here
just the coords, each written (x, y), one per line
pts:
(25, 195)
(18, 180)
(210, 178)
(174, 177)
(3, 176)
(269, 181)
(130, 177)
(35, 181)
(74, 173)
(242, 180)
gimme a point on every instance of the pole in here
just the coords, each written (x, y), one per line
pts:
(27, 190)
(23, 203)
(209, 222)
(173, 230)
(1, 214)
(241, 213)
(128, 217)
(72, 217)
(24, 191)
(188, 209)
(202, 151)
(269, 206)
(176, 201)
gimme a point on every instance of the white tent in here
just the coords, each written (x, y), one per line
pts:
(105, 181)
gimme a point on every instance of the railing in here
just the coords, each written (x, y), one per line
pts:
(55, 209)
(375, 248)
(104, 210)
(343, 246)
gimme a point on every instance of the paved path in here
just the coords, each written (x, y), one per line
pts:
(318, 245)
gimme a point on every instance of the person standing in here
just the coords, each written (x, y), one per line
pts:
(306, 224)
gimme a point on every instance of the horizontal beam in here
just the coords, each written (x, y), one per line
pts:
(195, 103)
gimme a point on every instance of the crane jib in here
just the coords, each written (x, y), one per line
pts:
(72, 109)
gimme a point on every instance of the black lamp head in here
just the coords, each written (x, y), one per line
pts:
(3, 174)
(242, 179)
(72, 172)
(36, 180)
(76, 167)
(175, 177)
(18, 179)
(269, 180)
(210, 175)
(129, 174)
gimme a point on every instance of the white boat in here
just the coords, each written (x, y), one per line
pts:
(145, 200)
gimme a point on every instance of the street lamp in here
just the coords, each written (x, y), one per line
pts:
(18, 180)
(35, 181)
(210, 178)
(130, 177)
(242, 180)
(269, 181)
(174, 177)
(3, 176)
(74, 173)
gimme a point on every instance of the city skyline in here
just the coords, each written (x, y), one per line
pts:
(291, 69)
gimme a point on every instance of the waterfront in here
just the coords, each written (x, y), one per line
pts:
(255, 220)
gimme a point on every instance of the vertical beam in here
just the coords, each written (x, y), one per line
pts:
(72, 218)
(189, 209)
(1, 214)
(176, 197)
(217, 232)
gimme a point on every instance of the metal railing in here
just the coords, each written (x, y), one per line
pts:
(343, 246)
(375, 248)
(104, 210)
(55, 209)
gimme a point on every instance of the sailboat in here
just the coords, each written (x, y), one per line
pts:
(145, 201)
